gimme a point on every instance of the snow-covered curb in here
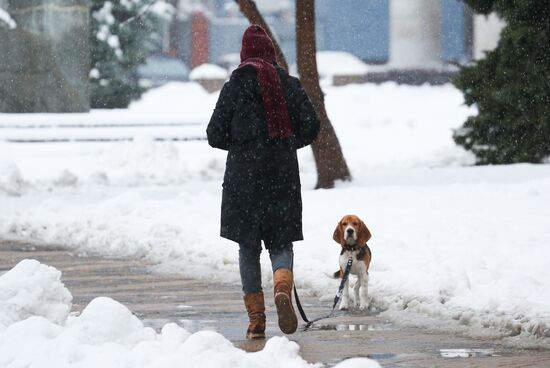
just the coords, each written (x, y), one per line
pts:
(208, 71)
(36, 330)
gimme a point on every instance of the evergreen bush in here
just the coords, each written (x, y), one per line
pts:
(123, 33)
(510, 87)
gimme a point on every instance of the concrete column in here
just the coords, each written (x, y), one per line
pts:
(200, 39)
(415, 34)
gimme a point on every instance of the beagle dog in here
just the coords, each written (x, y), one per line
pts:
(352, 234)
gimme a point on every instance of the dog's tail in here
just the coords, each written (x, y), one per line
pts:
(337, 274)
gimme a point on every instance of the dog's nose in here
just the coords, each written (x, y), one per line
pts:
(349, 231)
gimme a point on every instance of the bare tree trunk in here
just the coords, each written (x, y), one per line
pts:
(331, 165)
(330, 162)
(174, 35)
(251, 12)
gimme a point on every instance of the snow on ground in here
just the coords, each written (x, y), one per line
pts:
(173, 102)
(11, 182)
(455, 246)
(336, 63)
(331, 63)
(36, 330)
(208, 71)
(33, 289)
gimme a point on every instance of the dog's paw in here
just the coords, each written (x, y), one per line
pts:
(363, 307)
(343, 307)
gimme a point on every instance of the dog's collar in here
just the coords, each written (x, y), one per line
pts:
(351, 248)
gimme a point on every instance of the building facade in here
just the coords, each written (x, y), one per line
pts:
(403, 34)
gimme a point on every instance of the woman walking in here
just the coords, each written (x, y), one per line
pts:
(261, 118)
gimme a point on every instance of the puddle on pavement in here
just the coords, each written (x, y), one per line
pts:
(467, 353)
(190, 325)
(183, 306)
(382, 356)
(341, 327)
(193, 325)
(231, 331)
(251, 346)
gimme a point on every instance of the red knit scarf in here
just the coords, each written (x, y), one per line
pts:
(258, 51)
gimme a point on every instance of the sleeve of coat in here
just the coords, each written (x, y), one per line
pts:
(218, 130)
(309, 125)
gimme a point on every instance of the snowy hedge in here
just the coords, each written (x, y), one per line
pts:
(123, 33)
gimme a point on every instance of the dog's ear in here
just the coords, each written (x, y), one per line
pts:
(363, 234)
(338, 234)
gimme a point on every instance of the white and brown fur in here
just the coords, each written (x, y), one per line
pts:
(352, 234)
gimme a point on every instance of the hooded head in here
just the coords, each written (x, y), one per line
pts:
(256, 43)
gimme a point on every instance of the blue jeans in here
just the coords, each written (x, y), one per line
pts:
(249, 263)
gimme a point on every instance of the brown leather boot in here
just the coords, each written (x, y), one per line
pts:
(283, 282)
(254, 303)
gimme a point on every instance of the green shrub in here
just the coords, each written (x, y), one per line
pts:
(510, 87)
(123, 33)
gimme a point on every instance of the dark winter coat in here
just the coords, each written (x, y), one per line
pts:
(261, 190)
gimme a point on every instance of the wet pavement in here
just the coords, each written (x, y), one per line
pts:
(199, 304)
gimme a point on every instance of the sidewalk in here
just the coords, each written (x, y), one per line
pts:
(199, 304)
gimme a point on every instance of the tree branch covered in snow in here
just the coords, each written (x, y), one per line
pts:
(6, 21)
(123, 33)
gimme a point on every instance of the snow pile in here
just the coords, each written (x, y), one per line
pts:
(358, 363)
(390, 126)
(143, 160)
(335, 63)
(208, 71)
(32, 289)
(11, 181)
(182, 103)
(107, 334)
(176, 101)
(162, 9)
(331, 63)
(66, 179)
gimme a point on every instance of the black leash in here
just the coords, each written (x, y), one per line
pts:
(336, 298)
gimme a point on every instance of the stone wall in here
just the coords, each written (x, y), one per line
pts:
(45, 60)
